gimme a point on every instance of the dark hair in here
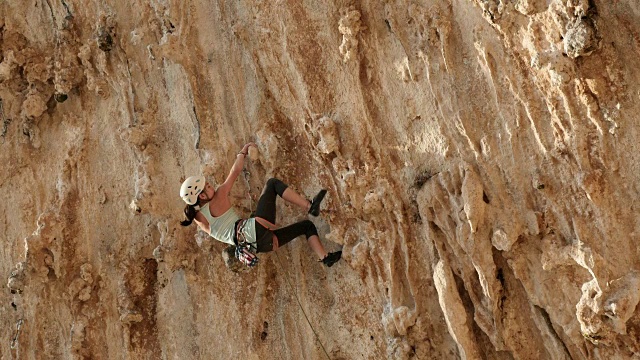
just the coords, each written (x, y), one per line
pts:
(190, 214)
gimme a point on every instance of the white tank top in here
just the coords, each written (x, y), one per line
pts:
(222, 228)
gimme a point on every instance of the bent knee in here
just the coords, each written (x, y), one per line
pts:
(277, 185)
(310, 228)
(308, 223)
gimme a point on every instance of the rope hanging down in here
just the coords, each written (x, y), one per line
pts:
(246, 175)
(302, 309)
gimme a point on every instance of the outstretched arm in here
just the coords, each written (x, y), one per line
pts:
(236, 169)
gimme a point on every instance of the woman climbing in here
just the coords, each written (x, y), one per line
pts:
(213, 212)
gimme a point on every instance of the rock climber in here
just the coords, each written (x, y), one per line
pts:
(213, 211)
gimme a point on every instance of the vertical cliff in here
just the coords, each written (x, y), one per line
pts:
(481, 158)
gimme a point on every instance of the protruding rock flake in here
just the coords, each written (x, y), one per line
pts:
(15, 283)
(327, 130)
(580, 39)
(349, 26)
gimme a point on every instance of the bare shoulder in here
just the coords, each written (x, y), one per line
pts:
(202, 222)
(224, 189)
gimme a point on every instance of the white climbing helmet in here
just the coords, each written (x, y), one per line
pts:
(191, 188)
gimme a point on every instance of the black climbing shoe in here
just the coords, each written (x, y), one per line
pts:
(315, 203)
(332, 258)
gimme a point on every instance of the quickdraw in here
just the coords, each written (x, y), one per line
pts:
(244, 254)
(246, 174)
(14, 342)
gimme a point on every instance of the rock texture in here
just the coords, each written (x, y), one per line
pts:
(481, 158)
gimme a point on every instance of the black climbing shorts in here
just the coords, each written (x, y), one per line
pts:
(267, 210)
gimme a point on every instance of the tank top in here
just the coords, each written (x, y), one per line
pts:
(222, 228)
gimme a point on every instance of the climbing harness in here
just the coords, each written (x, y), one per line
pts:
(14, 342)
(245, 251)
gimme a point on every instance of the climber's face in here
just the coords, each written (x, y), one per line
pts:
(207, 193)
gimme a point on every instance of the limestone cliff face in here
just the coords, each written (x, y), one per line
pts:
(481, 158)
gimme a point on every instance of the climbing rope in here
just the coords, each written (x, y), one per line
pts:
(246, 175)
(302, 309)
(14, 342)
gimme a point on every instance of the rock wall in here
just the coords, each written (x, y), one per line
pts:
(481, 158)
